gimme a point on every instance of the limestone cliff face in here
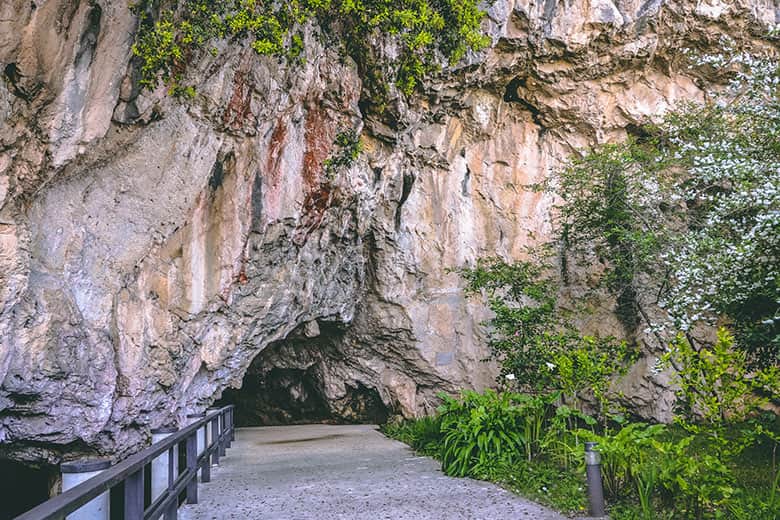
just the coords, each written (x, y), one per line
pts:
(151, 249)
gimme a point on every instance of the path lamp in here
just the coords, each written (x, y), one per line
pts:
(595, 486)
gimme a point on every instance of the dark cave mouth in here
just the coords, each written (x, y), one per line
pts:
(23, 487)
(292, 396)
(285, 384)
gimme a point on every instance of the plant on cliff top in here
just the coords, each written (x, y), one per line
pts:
(424, 31)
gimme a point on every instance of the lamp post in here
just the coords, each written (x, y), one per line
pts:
(595, 486)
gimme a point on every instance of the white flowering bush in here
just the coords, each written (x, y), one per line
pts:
(727, 262)
(687, 217)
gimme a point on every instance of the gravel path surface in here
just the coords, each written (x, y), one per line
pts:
(328, 472)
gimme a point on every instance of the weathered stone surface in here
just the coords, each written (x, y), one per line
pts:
(151, 249)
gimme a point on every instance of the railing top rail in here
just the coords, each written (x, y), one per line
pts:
(79, 495)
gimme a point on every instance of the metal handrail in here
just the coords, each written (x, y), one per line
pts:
(130, 473)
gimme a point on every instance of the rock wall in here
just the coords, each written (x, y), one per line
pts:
(150, 248)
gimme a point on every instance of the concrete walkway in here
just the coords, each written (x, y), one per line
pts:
(327, 472)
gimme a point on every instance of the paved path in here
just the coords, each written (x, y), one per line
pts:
(327, 472)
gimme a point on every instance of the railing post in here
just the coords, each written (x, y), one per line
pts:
(162, 465)
(228, 428)
(192, 467)
(134, 496)
(205, 468)
(232, 424)
(205, 471)
(76, 472)
(209, 440)
(595, 486)
(222, 433)
(173, 462)
(213, 433)
(195, 417)
(215, 441)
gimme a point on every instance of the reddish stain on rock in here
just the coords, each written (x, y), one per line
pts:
(319, 193)
(272, 173)
(241, 277)
(315, 205)
(238, 112)
(319, 200)
(319, 135)
(275, 147)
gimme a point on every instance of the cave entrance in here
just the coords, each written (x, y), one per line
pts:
(287, 383)
(23, 487)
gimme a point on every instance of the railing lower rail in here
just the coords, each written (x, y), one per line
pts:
(130, 498)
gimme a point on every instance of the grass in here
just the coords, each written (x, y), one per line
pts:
(543, 482)
(422, 435)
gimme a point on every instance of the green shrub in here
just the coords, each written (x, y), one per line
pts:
(534, 446)
(699, 480)
(477, 429)
(624, 454)
(347, 148)
(715, 384)
(563, 439)
(538, 347)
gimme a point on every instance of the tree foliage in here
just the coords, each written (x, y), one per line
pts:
(715, 385)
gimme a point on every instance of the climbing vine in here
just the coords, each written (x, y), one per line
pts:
(610, 206)
(426, 31)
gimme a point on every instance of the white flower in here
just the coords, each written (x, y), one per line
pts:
(550, 366)
(510, 377)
